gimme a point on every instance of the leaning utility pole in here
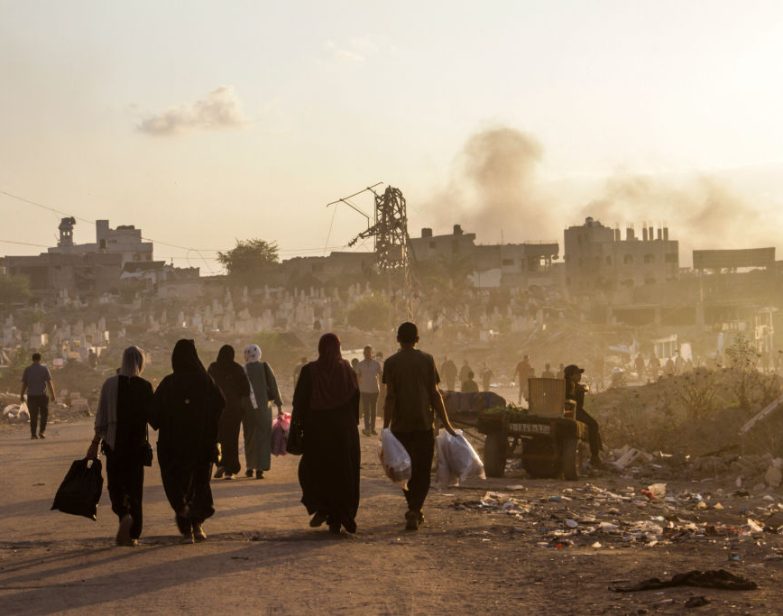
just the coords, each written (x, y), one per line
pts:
(390, 234)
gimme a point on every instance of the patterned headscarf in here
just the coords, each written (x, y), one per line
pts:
(252, 354)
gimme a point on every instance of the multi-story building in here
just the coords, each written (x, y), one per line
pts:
(125, 240)
(598, 259)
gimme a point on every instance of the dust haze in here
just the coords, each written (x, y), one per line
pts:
(495, 186)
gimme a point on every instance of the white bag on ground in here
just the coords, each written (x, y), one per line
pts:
(395, 459)
(457, 460)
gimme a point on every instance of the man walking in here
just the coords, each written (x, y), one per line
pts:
(368, 372)
(449, 371)
(36, 379)
(411, 397)
(522, 373)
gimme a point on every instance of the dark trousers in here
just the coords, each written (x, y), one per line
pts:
(593, 433)
(126, 487)
(38, 407)
(420, 446)
(368, 405)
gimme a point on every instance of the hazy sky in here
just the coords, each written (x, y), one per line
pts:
(203, 122)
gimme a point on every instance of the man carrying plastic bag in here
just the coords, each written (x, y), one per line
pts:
(412, 399)
(457, 460)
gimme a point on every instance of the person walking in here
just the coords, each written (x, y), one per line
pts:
(230, 377)
(464, 371)
(486, 378)
(547, 373)
(411, 396)
(522, 373)
(257, 422)
(124, 409)
(368, 372)
(449, 371)
(186, 412)
(36, 380)
(326, 411)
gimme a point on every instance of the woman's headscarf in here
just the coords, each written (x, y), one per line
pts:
(132, 361)
(184, 358)
(225, 355)
(334, 381)
(252, 353)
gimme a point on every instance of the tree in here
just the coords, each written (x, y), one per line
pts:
(248, 258)
(743, 360)
(14, 289)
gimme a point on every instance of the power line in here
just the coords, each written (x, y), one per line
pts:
(198, 251)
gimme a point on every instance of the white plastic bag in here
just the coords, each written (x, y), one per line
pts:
(457, 460)
(395, 459)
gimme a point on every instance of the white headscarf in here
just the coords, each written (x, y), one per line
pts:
(252, 354)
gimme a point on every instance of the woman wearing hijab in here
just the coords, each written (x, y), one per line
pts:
(121, 425)
(257, 421)
(230, 377)
(326, 410)
(186, 410)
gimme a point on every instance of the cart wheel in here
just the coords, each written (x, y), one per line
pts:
(495, 446)
(569, 460)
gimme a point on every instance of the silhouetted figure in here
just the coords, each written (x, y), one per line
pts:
(36, 380)
(326, 409)
(448, 370)
(124, 409)
(230, 377)
(186, 411)
(411, 397)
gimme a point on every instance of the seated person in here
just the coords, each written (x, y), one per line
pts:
(576, 391)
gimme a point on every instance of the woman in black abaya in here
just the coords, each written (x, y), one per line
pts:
(230, 377)
(326, 408)
(186, 410)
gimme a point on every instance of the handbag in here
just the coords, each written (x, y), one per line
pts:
(146, 448)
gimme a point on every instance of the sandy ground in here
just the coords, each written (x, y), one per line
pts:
(262, 558)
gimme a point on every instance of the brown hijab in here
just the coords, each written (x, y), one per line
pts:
(334, 381)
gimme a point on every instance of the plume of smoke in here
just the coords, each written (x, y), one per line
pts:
(493, 188)
(220, 109)
(701, 212)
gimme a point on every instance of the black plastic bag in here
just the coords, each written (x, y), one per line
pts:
(80, 491)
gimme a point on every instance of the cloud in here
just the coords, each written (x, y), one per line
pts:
(218, 110)
(355, 51)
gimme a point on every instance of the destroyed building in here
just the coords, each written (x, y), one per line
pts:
(598, 258)
(117, 257)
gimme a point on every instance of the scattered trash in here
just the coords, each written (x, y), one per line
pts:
(696, 601)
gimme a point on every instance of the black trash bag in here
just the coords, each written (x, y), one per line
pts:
(80, 491)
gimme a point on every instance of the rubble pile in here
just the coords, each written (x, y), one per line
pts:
(593, 517)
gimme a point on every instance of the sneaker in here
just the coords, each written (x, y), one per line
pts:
(259, 474)
(219, 472)
(41, 435)
(412, 520)
(123, 532)
(349, 525)
(33, 436)
(249, 472)
(230, 476)
(198, 532)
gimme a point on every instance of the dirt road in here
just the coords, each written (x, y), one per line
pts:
(262, 558)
